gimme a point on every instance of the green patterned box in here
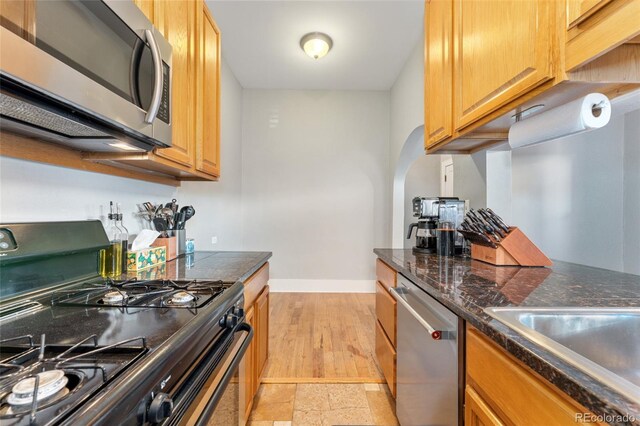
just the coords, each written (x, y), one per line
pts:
(146, 258)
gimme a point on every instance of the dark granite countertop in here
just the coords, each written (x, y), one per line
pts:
(229, 266)
(468, 286)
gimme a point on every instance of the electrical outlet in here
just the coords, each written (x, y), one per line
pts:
(214, 240)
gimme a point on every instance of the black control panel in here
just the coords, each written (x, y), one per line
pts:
(165, 102)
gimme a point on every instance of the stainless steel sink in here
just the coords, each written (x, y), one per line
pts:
(602, 342)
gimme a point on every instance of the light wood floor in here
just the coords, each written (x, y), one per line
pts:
(322, 338)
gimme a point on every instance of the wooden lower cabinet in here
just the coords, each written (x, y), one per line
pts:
(477, 412)
(502, 390)
(262, 326)
(386, 355)
(386, 323)
(247, 368)
(256, 296)
(386, 312)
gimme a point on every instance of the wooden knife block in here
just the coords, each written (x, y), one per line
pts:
(514, 250)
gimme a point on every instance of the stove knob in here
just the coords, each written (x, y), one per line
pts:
(229, 321)
(238, 311)
(160, 408)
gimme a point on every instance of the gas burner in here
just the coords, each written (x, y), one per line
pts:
(181, 298)
(49, 384)
(45, 381)
(114, 298)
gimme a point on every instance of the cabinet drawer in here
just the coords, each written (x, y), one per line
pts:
(386, 312)
(386, 275)
(513, 391)
(254, 285)
(386, 355)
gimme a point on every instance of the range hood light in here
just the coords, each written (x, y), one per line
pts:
(124, 146)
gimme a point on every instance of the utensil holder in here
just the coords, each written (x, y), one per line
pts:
(170, 244)
(181, 235)
(514, 250)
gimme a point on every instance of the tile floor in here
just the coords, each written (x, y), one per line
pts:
(323, 405)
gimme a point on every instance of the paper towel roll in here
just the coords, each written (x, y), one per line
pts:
(590, 112)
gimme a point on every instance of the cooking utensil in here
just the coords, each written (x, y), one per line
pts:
(160, 224)
(186, 213)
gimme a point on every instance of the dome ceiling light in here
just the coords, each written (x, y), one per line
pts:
(316, 44)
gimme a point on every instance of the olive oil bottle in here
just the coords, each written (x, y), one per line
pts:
(111, 257)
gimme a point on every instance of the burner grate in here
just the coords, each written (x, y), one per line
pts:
(141, 294)
(22, 369)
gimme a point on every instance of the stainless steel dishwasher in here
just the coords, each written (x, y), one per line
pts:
(430, 378)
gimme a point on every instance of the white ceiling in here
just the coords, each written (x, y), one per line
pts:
(371, 42)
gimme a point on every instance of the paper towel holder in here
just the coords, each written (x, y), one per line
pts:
(527, 111)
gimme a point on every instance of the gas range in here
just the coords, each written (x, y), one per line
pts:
(134, 293)
(80, 349)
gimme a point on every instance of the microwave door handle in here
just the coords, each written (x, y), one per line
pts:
(435, 334)
(157, 70)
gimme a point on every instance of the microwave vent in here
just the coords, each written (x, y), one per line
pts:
(40, 117)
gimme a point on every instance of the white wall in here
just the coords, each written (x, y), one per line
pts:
(219, 204)
(314, 182)
(470, 177)
(422, 180)
(32, 192)
(406, 139)
(568, 195)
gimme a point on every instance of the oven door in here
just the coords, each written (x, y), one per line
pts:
(213, 395)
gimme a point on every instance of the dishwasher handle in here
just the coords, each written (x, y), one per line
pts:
(435, 334)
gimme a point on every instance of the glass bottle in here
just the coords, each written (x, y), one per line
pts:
(124, 237)
(111, 257)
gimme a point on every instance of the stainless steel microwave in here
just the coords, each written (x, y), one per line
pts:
(93, 75)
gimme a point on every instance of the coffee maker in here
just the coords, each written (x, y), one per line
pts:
(430, 211)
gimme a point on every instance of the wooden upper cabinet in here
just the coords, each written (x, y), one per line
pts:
(146, 6)
(438, 73)
(19, 16)
(208, 142)
(177, 21)
(502, 50)
(595, 27)
(579, 10)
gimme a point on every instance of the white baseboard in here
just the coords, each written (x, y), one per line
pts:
(321, 286)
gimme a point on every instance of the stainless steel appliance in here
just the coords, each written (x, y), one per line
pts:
(77, 348)
(430, 378)
(430, 211)
(94, 75)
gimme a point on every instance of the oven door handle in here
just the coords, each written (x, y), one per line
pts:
(156, 98)
(226, 377)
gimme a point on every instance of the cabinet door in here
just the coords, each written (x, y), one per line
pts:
(386, 355)
(503, 49)
(247, 367)
(19, 16)
(208, 144)
(262, 326)
(579, 10)
(438, 71)
(177, 21)
(477, 412)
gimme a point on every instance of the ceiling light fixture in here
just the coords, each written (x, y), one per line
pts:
(316, 44)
